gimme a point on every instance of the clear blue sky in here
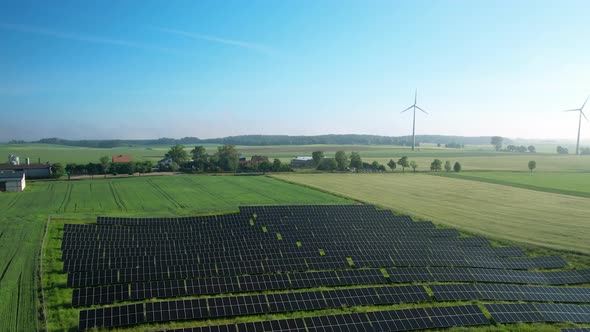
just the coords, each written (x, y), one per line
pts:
(144, 69)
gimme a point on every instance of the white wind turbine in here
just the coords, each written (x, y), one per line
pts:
(581, 110)
(414, 107)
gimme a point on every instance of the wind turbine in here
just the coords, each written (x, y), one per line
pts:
(581, 110)
(414, 107)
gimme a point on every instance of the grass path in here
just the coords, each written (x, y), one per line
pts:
(506, 213)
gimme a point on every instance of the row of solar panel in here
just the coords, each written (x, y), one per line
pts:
(262, 236)
(371, 222)
(466, 292)
(98, 277)
(288, 301)
(294, 250)
(459, 242)
(421, 274)
(539, 312)
(378, 321)
(212, 286)
(233, 267)
(399, 275)
(440, 260)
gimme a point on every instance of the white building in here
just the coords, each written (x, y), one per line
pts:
(12, 181)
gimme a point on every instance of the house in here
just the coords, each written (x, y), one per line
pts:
(302, 162)
(258, 159)
(253, 160)
(12, 181)
(121, 159)
(166, 162)
(31, 171)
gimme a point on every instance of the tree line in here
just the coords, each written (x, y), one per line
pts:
(258, 140)
(498, 141)
(226, 159)
(105, 166)
(343, 162)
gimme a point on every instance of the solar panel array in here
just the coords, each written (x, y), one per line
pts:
(281, 259)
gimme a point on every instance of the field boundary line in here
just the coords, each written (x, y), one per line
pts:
(42, 297)
(517, 185)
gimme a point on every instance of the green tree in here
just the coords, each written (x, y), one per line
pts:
(562, 150)
(532, 166)
(228, 157)
(57, 170)
(200, 158)
(264, 166)
(532, 149)
(414, 165)
(317, 157)
(403, 162)
(178, 154)
(496, 141)
(356, 161)
(173, 167)
(341, 159)
(276, 165)
(448, 166)
(105, 163)
(328, 164)
(457, 167)
(436, 165)
(392, 164)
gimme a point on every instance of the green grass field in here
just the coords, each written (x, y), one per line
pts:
(24, 216)
(576, 184)
(496, 211)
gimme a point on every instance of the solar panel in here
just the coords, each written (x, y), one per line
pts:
(564, 312)
(514, 313)
(345, 322)
(455, 292)
(468, 315)
(400, 320)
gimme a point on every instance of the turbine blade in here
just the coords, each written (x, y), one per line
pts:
(407, 109)
(421, 110)
(581, 108)
(584, 115)
(416, 97)
(574, 110)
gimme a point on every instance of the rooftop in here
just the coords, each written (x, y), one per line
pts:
(23, 166)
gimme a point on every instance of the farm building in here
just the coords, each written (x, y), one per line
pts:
(121, 159)
(166, 162)
(253, 160)
(12, 181)
(31, 171)
(302, 162)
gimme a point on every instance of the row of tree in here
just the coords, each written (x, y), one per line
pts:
(226, 159)
(354, 162)
(106, 167)
(497, 142)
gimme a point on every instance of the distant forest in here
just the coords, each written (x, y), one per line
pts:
(257, 140)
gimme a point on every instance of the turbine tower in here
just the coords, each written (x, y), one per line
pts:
(581, 110)
(414, 107)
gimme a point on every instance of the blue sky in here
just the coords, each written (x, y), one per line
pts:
(144, 69)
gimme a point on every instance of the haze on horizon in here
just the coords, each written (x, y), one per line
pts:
(146, 69)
